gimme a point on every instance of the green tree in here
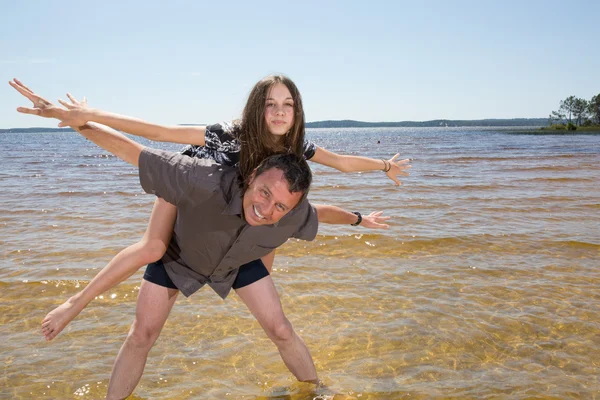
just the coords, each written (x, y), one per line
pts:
(594, 108)
(556, 118)
(567, 107)
(580, 110)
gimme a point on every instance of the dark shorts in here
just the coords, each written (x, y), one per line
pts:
(156, 273)
(248, 273)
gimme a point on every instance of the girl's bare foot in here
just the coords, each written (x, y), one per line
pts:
(56, 320)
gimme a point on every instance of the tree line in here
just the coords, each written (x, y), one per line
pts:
(574, 111)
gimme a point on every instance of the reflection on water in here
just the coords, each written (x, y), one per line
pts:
(486, 285)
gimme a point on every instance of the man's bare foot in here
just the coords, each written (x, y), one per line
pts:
(56, 320)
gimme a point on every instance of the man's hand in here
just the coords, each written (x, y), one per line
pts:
(41, 106)
(75, 114)
(374, 221)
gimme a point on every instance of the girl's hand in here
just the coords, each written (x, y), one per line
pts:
(374, 221)
(398, 168)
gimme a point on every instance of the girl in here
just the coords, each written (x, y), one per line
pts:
(272, 122)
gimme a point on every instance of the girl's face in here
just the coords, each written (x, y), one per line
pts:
(279, 110)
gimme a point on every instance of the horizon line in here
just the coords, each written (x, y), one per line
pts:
(341, 121)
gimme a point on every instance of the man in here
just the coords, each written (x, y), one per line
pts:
(219, 228)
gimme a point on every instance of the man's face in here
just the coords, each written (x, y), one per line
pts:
(268, 198)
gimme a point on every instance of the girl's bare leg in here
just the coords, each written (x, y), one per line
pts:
(268, 260)
(151, 248)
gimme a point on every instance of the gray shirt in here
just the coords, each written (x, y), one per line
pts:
(211, 239)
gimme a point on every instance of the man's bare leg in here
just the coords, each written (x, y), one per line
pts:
(262, 300)
(153, 306)
(151, 248)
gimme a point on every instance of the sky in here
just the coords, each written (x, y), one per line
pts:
(196, 61)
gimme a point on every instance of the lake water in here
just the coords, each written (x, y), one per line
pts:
(485, 286)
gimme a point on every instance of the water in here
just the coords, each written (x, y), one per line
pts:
(485, 286)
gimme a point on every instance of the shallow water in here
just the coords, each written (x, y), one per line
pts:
(485, 286)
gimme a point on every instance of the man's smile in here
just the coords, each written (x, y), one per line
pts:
(259, 215)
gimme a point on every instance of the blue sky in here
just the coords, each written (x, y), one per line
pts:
(195, 61)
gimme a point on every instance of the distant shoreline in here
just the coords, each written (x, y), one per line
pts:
(515, 122)
(436, 123)
(516, 125)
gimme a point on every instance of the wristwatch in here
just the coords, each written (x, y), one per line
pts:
(359, 218)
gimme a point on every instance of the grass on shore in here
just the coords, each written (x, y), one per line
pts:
(552, 130)
(562, 127)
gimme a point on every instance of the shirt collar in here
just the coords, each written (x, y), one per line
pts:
(235, 205)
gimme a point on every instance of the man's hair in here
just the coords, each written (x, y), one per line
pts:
(255, 139)
(295, 171)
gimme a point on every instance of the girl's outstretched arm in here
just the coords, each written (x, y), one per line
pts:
(79, 114)
(345, 163)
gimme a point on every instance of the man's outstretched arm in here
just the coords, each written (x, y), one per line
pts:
(112, 141)
(335, 215)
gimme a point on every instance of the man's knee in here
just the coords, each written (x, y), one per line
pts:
(143, 335)
(281, 330)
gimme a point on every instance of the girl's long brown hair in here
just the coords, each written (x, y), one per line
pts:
(257, 143)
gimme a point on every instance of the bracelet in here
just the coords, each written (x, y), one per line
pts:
(359, 218)
(386, 165)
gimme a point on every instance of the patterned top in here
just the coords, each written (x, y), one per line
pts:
(223, 146)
